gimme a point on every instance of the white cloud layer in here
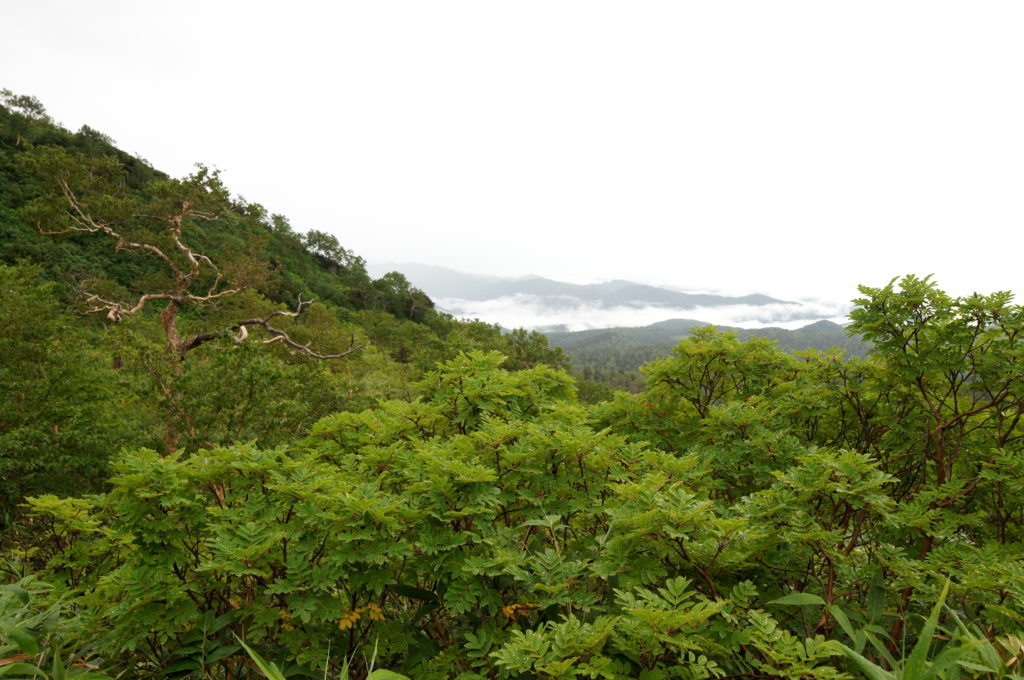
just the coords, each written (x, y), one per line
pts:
(536, 312)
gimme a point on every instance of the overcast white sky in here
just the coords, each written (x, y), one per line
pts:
(790, 148)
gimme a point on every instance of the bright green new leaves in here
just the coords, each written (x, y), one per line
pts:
(710, 368)
(668, 632)
(821, 475)
(486, 516)
(753, 514)
(383, 519)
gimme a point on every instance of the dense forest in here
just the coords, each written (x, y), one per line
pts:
(227, 452)
(612, 357)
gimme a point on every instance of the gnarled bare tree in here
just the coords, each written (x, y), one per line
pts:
(90, 196)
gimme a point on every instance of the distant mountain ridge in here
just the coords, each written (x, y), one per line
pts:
(614, 355)
(442, 283)
(820, 335)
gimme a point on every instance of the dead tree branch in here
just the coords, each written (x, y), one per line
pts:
(277, 334)
(83, 222)
(188, 268)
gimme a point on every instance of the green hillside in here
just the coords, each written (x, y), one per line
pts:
(87, 234)
(613, 356)
(207, 475)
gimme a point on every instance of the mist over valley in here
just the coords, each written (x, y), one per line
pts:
(538, 303)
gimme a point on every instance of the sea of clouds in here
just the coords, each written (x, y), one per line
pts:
(568, 313)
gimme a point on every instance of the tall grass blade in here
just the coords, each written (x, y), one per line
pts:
(270, 670)
(915, 668)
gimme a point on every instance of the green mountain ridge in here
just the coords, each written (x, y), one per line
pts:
(614, 355)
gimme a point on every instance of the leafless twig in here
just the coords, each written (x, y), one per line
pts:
(277, 334)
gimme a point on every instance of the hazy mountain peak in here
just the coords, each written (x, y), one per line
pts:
(538, 302)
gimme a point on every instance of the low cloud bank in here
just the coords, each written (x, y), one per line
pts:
(563, 313)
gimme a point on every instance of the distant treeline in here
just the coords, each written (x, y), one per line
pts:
(613, 356)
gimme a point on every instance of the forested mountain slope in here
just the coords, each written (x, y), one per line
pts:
(312, 264)
(613, 356)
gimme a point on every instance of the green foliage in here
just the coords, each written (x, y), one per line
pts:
(613, 356)
(490, 527)
(526, 349)
(834, 472)
(451, 523)
(440, 503)
(62, 412)
(267, 668)
(959, 651)
(38, 641)
(248, 245)
(173, 265)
